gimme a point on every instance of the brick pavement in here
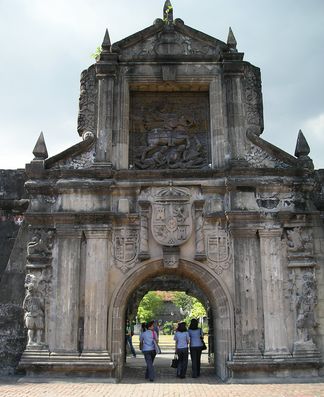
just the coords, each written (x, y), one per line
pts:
(139, 388)
(166, 385)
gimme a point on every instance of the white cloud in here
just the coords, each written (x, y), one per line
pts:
(315, 127)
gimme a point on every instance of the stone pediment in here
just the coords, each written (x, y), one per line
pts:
(77, 156)
(165, 40)
(263, 154)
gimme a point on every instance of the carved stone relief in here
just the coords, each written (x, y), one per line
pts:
(144, 225)
(253, 99)
(38, 286)
(303, 288)
(126, 245)
(170, 42)
(171, 216)
(34, 307)
(299, 240)
(169, 130)
(292, 201)
(219, 248)
(40, 246)
(87, 101)
(171, 256)
(84, 160)
(258, 158)
(199, 229)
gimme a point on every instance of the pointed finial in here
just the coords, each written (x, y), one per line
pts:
(301, 152)
(168, 12)
(231, 41)
(40, 150)
(302, 148)
(106, 44)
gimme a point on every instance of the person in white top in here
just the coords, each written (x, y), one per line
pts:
(181, 338)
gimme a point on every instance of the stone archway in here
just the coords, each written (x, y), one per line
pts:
(213, 287)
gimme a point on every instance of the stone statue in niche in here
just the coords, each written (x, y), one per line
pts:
(166, 133)
(34, 311)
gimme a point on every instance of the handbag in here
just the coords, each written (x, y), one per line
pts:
(203, 347)
(156, 347)
(174, 362)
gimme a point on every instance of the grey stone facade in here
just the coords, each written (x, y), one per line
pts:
(165, 186)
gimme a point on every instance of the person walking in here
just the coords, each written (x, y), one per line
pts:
(148, 348)
(196, 345)
(182, 339)
(129, 332)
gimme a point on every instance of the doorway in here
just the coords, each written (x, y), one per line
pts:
(205, 284)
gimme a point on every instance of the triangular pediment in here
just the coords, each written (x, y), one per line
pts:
(162, 40)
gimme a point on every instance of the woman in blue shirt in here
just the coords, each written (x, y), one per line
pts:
(182, 339)
(196, 336)
(148, 348)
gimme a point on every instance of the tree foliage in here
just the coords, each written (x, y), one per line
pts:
(150, 307)
(191, 306)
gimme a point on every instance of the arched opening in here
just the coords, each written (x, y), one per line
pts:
(204, 282)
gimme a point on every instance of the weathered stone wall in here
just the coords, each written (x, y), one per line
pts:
(12, 207)
(12, 268)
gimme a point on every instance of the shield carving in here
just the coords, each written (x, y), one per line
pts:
(125, 245)
(218, 247)
(171, 217)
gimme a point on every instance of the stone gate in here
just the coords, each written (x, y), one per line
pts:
(172, 181)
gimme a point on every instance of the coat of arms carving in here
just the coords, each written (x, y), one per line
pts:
(126, 243)
(171, 216)
(219, 250)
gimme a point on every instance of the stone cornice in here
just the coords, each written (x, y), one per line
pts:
(97, 232)
(273, 232)
(95, 179)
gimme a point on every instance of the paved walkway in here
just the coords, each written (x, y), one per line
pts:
(166, 384)
(138, 388)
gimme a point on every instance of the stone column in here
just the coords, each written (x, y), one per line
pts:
(105, 119)
(67, 290)
(96, 291)
(275, 333)
(247, 302)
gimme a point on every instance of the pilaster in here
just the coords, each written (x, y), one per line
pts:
(105, 120)
(246, 269)
(275, 333)
(96, 291)
(67, 291)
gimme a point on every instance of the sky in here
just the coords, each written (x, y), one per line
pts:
(45, 45)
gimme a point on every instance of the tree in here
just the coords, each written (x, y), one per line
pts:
(190, 306)
(149, 307)
(183, 301)
(198, 310)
